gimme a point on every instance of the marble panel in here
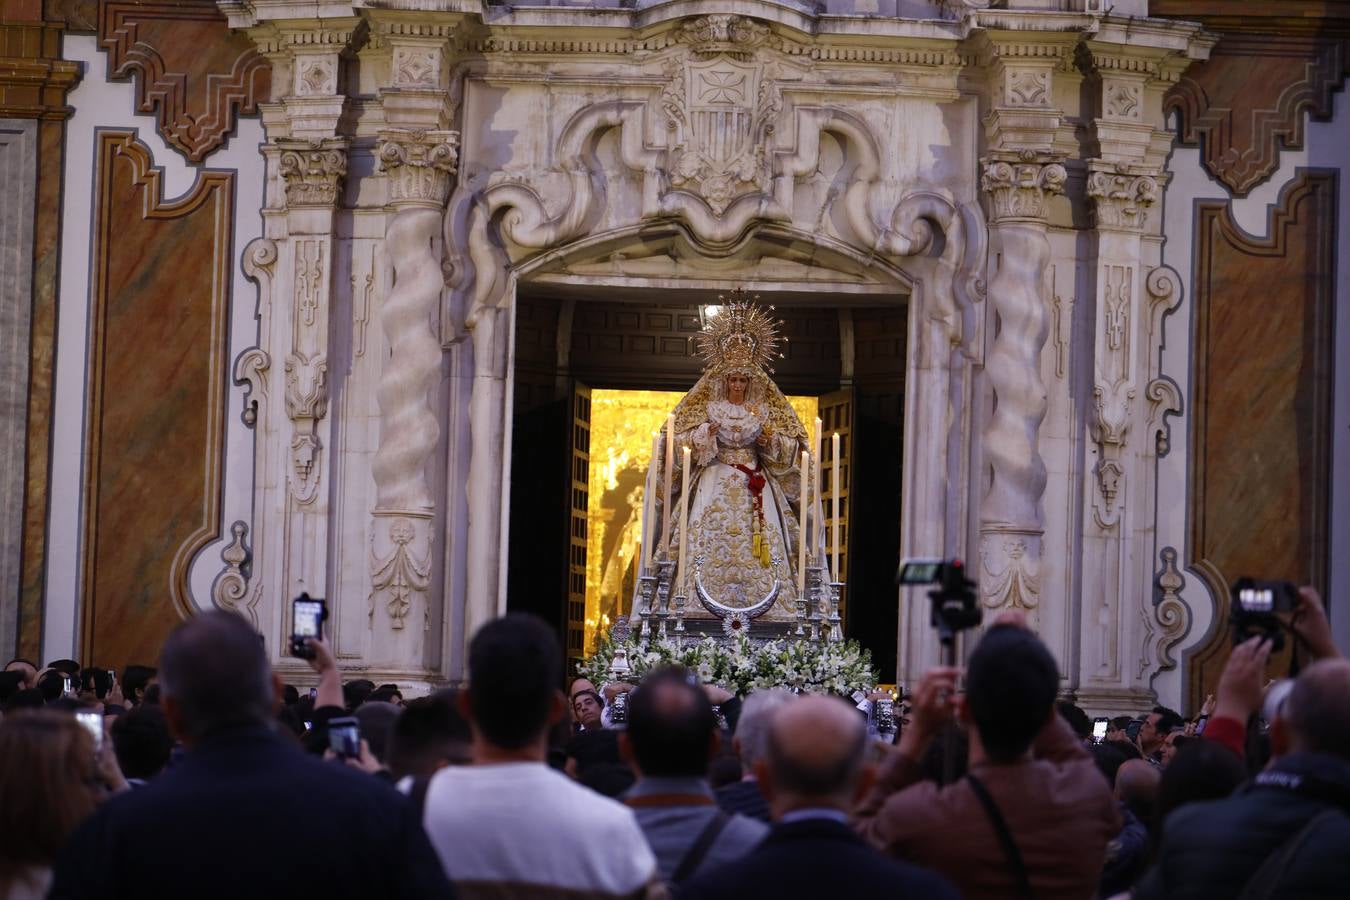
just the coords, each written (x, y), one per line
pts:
(160, 285)
(1262, 400)
(18, 185)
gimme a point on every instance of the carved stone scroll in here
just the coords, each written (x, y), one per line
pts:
(230, 587)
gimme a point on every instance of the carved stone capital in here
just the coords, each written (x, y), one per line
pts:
(313, 171)
(419, 165)
(1021, 189)
(1120, 201)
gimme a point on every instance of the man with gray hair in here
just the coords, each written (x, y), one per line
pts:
(245, 813)
(751, 745)
(814, 770)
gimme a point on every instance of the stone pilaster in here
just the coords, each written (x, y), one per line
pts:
(1122, 635)
(290, 374)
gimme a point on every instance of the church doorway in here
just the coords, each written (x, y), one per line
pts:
(595, 378)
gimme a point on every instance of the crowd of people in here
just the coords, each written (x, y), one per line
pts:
(207, 777)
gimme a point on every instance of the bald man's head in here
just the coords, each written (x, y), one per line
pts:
(1316, 710)
(816, 750)
(1137, 786)
(672, 728)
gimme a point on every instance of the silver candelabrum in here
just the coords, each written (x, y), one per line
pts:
(836, 633)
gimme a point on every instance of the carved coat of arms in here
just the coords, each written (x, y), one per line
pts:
(720, 106)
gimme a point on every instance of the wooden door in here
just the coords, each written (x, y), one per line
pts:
(578, 504)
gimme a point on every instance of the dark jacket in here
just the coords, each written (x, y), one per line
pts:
(743, 797)
(246, 814)
(1212, 849)
(814, 858)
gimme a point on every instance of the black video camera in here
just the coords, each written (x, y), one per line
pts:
(955, 606)
(1255, 607)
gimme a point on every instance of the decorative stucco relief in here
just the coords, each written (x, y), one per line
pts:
(230, 588)
(313, 171)
(1168, 617)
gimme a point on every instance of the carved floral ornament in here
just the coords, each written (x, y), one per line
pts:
(1121, 199)
(1021, 189)
(313, 171)
(419, 164)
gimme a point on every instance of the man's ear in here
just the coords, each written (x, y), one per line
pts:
(626, 750)
(463, 704)
(866, 778)
(1280, 737)
(764, 781)
(174, 717)
(278, 694)
(714, 744)
(557, 708)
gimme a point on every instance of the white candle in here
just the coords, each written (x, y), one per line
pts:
(648, 528)
(684, 522)
(818, 439)
(670, 475)
(806, 515)
(834, 500)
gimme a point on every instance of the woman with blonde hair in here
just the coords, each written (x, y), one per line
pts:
(51, 778)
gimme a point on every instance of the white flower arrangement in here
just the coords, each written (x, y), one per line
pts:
(742, 666)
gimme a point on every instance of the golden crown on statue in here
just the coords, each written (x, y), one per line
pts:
(741, 335)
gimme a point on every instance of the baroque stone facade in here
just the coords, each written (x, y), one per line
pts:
(935, 160)
(996, 175)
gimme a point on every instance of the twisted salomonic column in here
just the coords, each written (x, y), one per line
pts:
(1011, 524)
(419, 165)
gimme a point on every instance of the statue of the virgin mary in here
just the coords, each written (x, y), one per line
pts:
(745, 478)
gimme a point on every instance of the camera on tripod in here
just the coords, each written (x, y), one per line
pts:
(1255, 608)
(955, 606)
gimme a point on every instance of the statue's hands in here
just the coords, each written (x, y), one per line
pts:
(763, 439)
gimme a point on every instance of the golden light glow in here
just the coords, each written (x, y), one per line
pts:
(623, 424)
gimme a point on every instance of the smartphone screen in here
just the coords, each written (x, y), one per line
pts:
(93, 723)
(1099, 730)
(308, 615)
(344, 737)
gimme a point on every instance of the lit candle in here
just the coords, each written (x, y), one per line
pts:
(670, 475)
(834, 500)
(819, 439)
(648, 529)
(806, 515)
(684, 522)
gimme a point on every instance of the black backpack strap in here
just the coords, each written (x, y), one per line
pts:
(702, 844)
(418, 794)
(1005, 837)
(1262, 885)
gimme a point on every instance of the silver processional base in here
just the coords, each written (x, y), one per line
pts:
(658, 616)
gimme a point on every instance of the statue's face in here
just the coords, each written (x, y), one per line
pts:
(737, 385)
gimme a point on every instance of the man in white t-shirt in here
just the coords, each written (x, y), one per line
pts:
(508, 825)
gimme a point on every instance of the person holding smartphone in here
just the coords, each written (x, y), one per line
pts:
(346, 835)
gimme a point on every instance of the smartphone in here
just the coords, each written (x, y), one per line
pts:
(93, 723)
(307, 617)
(314, 693)
(344, 737)
(1099, 729)
(66, 689)
(112, 678)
